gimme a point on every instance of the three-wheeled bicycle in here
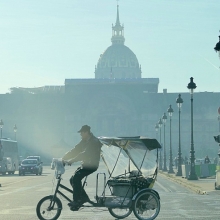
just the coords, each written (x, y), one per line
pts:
(132, 165)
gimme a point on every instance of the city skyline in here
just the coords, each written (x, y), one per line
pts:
(44, 43)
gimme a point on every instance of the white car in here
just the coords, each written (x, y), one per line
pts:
(199, 161)
(10, 166)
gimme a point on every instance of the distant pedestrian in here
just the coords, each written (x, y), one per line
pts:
(207, 160)
(182, 161)
(175, 162)
(215, 160)
(1, 154)
(1, 151)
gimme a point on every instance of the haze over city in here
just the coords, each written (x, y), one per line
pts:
(45, 42)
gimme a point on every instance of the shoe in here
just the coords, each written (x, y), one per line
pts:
(74, 204)
(77, 204)
(84, 200)
(74, 208)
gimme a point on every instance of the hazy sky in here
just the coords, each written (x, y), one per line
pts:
(44, 42)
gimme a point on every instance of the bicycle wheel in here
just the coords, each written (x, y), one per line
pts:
(146, 206)
(47, 210)
(120, 213)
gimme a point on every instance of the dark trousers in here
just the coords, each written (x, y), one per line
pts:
(75, 181)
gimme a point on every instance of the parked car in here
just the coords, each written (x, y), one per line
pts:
(31, 166)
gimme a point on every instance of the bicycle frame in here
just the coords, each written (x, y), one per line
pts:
(71, 191)
(51, 206)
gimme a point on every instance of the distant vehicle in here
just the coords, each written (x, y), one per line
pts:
(10, 149)
(35, 157)
(3, 166)
(199, 161)
(10, 166)
(31, 166)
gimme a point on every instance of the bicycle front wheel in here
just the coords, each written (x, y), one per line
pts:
(49, 208)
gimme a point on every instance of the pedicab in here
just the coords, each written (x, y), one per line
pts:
(132, 165)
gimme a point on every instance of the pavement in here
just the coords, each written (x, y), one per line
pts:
(201, 186)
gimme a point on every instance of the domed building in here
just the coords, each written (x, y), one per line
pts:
(116, 102)
(118, 61)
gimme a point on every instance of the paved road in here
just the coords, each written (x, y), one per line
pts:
(19, 196)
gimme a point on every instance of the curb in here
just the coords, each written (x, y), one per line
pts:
(195, 188)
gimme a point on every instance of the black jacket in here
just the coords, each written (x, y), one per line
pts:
(86, 151)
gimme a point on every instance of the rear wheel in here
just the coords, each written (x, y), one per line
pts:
(146, 206)
(48, 209)
(120, 213)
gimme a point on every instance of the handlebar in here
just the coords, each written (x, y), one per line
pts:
(58, 165)
(66, 162)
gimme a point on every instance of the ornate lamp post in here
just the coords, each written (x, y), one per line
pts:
(160, 123)
(217, 47)
(219, 123)
(1, 126)
(179, 102)
(219, 119)
(15, 130)
(170, 112)
(164, 118)
(156, 129)
(192, 173)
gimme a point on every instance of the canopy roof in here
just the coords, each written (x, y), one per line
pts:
(131, 153)
(135, 142)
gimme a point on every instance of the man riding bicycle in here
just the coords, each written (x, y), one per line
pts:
(88, 151)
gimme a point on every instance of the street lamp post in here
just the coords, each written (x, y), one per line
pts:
(219, 119)
(164, 118)
(156, 129)
(170, 112)
(160, 123)
(192, 173)
(219, 123)
(15, 130)
(179, 102)
(1, 126)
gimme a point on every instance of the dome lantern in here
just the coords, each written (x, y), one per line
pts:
(118, 61)
(118, 31)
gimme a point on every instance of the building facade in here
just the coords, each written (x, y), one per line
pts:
(116, 102)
